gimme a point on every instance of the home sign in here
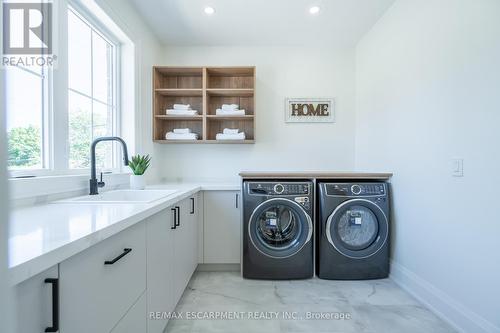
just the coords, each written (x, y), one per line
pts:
(309, 110)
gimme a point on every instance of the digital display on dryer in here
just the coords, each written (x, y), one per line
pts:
(348, 189)
(280, 188)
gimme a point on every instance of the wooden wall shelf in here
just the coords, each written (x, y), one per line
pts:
(173, 117)
(230, 92)
(213, 116)
(180, 92)
(205, 89)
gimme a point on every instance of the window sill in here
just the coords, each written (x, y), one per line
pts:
(47, 188)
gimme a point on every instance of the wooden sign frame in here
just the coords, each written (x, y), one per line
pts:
(309, 110)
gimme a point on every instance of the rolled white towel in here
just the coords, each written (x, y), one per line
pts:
(239, 136)
(181, 130)
(230, 131)
(182, 107)
(221, 112)
(175, 112)
(229, 107)
(184, 136)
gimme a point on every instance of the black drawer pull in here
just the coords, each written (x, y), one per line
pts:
(111, 262)
(178, 209)
(55, 305)
(175, 218)
(192, 206)
(178, 216)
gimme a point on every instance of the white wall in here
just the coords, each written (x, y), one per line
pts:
(281, 72)
(428, 83)
(6, 307)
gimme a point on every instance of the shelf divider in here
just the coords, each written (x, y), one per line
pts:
(205, 108)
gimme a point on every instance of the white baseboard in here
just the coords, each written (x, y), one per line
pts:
(460, 317)
(218, 268)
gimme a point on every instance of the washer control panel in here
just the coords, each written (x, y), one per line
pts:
(299, 189)
(356, 189)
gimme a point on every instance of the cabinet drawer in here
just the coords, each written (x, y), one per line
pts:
(94, 295)
(34, 299)
(135, 319)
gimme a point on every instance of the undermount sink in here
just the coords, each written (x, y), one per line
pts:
(122, 196)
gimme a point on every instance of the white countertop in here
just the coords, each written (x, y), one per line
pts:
(45, 235)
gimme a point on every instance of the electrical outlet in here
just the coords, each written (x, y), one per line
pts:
(457, 167)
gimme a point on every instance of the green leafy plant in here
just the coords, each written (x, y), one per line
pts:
(139, 164)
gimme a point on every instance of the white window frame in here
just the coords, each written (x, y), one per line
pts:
(56, 159)
(47, 157)
(102, 31)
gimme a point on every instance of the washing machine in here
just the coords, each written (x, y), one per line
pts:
(352, 231)
(278, 230)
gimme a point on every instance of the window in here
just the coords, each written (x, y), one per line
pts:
(88, 110)
(27, 117)
(91, 93)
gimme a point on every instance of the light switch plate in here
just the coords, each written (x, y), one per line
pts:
(457, 167)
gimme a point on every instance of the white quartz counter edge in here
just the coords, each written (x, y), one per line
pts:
(25, 270)
(203, 186)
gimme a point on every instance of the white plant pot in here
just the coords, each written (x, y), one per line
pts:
(137, 182)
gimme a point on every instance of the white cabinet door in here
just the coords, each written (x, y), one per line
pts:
(199, 217)
(180, 257)
(135, 319)
(34, 302)
(221, 227)
(160, 266)
(185, 246)
(99, 285)
(193, 218)
(172, 238)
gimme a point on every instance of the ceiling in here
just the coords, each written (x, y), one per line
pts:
(261, 22)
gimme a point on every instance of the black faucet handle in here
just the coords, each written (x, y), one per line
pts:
(101, 183)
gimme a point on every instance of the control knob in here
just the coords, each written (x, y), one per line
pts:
(278, 188)
(356, 189)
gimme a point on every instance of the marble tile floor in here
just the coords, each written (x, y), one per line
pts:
(224, 302)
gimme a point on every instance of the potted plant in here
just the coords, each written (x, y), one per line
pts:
(139, 164)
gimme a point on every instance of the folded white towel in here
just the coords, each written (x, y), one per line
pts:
(230, 131)
(182, 106)
(184, 136)
(175, 112)
(181, 130)
(221, 112)
(229, 107)
(239, 136)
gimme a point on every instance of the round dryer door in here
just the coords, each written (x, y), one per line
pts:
(279, 228)
(357, 228)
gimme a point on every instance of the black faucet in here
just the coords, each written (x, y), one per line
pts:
(94, 184)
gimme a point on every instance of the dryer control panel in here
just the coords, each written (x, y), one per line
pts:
(356, 189)
(284, 189)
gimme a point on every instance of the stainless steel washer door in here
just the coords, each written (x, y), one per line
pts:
(357, 228)
(279, 228)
